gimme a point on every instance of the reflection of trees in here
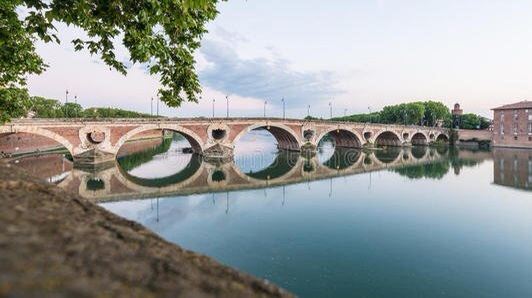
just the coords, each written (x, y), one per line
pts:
(283, 163)
(388, 154)
(192, 167)
(435, 170)
(438, 169)
(343, 158)
(419, 151)
(129, 162)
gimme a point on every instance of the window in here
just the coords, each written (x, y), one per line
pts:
(530, 127)
(530, 117)
(501, 123)
(516, 128)
(516, 114)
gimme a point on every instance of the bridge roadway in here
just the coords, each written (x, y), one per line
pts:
(113, 184)
(97, 141)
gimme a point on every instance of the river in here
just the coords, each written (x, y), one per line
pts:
(418, 222)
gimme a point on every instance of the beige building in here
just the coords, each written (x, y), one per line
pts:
(512, 125)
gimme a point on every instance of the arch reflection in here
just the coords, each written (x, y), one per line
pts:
(282, 164)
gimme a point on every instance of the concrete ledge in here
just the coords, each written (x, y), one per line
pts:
(53, 243)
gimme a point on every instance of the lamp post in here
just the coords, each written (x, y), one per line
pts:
(308, 111)
(66, 96)
(284, 113)
(227, 105)
(75, 99)
(158, 106)
(151, 107)
(213, 101)
(265, 103)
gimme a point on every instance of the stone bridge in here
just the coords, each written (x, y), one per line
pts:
(114, 183)
(98, 141)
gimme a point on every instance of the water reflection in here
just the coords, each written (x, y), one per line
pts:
(513, 168)
(164, 170)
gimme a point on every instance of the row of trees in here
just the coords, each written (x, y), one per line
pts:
(427, 113)
(472, 121)
(42, 107)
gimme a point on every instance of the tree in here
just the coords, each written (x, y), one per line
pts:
(14, 103)
(472, 121)
(436, 111)
(72, 110)
(46, 108)
(163, 35)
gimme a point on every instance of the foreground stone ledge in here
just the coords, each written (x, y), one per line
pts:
(53, 243)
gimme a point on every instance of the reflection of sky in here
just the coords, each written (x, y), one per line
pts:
(378, 234)
(165, 164)
(255, 151)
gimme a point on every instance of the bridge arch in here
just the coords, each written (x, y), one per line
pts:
(388, 138)
(285, 136)
(442, 137)
(343, 137)
(419, 139)
(40, 132)
(195, 141)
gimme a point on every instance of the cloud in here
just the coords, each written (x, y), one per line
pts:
(263, 78)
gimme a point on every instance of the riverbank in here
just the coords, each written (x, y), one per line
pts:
(53, 243)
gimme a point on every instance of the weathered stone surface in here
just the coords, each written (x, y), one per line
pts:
(53, 243)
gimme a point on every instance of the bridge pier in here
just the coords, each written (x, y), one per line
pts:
(94, 159)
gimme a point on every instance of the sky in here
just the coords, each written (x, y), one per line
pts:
(358, 55)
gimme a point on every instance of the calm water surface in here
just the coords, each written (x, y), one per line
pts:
(439, 223)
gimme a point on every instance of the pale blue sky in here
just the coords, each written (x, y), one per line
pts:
(357, 54)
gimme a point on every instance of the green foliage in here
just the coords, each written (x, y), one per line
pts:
(436, 111)
(51, 108)
(72, 110)
(17, 52)
(14, 103)
(113, 113)
(130, 162)
(163, 35)
(46, 108)
(427, 113)
(472, 121)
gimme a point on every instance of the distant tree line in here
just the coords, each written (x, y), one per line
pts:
(425, 113)
(472, 121)
(428, 113)
(41, 107)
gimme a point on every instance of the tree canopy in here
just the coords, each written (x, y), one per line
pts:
(428, 113)
(42, 107)
(161, 34)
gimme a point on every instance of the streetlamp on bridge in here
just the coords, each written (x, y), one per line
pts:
(227, 104)
(66, 96)
(284, 113)
(308, 111)
(151, 106)
(158, 100)
(265, 103)
(213, 101)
